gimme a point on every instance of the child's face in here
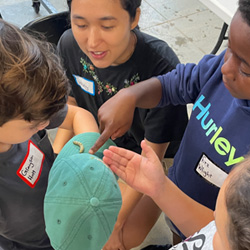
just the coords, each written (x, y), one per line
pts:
(236, 68)
(17, 131)
(102, 29)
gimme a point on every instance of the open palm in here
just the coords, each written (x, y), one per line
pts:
(145, 174)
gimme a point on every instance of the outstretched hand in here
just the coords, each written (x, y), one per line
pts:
(145, 174)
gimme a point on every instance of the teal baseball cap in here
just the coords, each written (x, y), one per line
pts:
(83, 198)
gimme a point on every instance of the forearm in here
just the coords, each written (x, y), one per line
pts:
(146, 175)
(65, 133)
(130, 198)
(188, 215)
(79, 120)
(62, 137)
(146, 94)
(84, 122)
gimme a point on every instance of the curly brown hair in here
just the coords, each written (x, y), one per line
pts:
(33, 84)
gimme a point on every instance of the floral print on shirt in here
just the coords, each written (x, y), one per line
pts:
(106, 86)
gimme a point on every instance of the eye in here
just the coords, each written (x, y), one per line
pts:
(244, 73)
(82, 26)
(107, 27)
(244, 69)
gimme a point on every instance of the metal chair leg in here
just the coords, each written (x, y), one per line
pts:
(46, 4)
(36, 5)
(220, 39)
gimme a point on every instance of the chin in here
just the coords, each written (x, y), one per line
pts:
(101, 65)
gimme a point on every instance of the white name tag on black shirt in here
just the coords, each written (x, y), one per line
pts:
(85, 84)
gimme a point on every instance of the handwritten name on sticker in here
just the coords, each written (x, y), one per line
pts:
(210, 172)
(31, 167)
(85, 84)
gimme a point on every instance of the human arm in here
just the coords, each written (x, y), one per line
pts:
(146, 175)
(116, 114)
(61, 138)
(178, 87)
(79, 120)
(63, 135)
(132, 200)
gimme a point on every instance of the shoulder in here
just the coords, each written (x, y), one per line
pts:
(213, 59)
(67, 40)
(210, 65)
(68, 49)
(206, 69)
(158, 48)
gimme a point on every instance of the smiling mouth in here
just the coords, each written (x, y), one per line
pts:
(98, 54)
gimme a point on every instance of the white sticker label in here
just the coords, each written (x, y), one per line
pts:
(86, 85)
(209, 171)
(31, 167)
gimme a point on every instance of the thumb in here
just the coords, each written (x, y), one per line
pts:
(148, 151)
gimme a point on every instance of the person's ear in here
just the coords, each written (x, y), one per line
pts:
(136, 19)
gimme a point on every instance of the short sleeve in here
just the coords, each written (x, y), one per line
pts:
(58, 118)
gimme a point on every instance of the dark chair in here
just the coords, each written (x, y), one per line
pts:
(51, 26)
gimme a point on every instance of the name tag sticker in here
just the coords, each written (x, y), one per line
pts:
(210, 171)
(85, 84)
(31, 167)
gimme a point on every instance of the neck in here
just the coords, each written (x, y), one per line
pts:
(131, 49)
(4, 147)
(133, 42)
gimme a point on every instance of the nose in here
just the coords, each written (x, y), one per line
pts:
(229, 67)
(94, 38)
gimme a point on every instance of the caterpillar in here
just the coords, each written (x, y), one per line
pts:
(80, 145)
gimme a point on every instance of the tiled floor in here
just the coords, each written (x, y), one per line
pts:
(187, 25)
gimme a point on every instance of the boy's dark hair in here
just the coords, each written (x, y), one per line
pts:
(33, 85)
(237, 195)
(129, 5)
(244, 8)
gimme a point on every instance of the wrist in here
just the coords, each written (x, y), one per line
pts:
(161, 190)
